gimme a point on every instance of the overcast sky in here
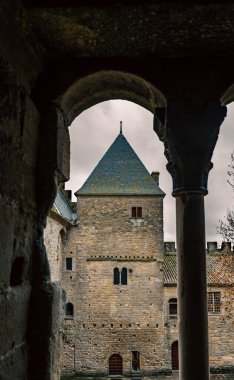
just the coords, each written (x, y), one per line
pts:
(94, 131)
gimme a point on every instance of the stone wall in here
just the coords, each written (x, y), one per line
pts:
(53, 236)
(112, 318)
(19, 123)
(29, 302)
(221, 331)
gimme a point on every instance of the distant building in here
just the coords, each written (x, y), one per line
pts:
(121, 316)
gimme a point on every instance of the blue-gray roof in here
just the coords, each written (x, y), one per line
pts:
(63, 206)
(120, 172)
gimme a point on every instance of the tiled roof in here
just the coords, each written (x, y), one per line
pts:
(120, 172)
(63, 207)
(218, 270)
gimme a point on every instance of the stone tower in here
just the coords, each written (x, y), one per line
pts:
(113, 273)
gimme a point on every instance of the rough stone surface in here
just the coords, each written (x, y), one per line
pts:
(112, 318)
(37, 71)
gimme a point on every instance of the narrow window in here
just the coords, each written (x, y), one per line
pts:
(174, 356)
(115, 365)
(124, 276)
(214, 302)
(116, 276)
(69, 310)
(136, 212)
(173, 308)
(139, 212)
(69, 263)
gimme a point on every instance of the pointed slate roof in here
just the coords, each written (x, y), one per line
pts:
(120, 172)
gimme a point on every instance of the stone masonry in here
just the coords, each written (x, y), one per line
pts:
(112, 318)
(132, 316)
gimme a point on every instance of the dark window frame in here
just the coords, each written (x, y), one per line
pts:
(69, 310)
(120, 276)
(124, 276)
(173, 308)
(214, 302)
(116, 274)
(137, 212)
(69, 263)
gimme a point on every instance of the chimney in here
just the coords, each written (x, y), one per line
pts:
(169, 247)
(69, 194)
(155, 176)
(226, 246)
(212, 246)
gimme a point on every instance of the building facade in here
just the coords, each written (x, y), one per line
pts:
(121, 316)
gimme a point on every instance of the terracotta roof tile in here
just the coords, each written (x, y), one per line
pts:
(218, 271)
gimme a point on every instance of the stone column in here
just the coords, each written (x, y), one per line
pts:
(189, 130)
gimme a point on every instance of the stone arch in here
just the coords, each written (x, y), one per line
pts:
(115, 365)
(106, 85)
(63, 236)
(175, 356)
(69, 310)
(228, 96)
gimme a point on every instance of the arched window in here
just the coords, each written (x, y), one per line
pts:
(115, 365)
(174, 356)
(173, 308)
(69, 310)
(63, 235)
(124, 276)
(116, 276)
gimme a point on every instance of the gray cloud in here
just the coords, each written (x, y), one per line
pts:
(95, 130)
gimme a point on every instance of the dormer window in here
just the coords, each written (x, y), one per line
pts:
(136, 212)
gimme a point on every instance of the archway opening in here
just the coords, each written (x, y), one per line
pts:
(115, 365)
(95, 129)
(175, 356)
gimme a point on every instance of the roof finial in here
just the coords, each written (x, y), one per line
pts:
(121, 127)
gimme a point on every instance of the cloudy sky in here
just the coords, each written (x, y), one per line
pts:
(95, 130)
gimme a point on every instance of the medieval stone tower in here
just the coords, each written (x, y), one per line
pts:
(113, 275)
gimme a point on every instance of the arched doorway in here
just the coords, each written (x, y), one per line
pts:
(174, 356)
(115, 365)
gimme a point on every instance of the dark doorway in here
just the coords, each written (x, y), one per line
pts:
(174, 356)
(115, 365)
(135, 360)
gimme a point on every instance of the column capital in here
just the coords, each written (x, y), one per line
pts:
(189, 130)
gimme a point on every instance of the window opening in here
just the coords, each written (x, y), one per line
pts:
(173, 308)
(135, 360)
(174, 356)
(69, 263)
(69, 310)
(124, 276)
(214, 302)
(115, 365)
(136, 212)
(116, 276)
